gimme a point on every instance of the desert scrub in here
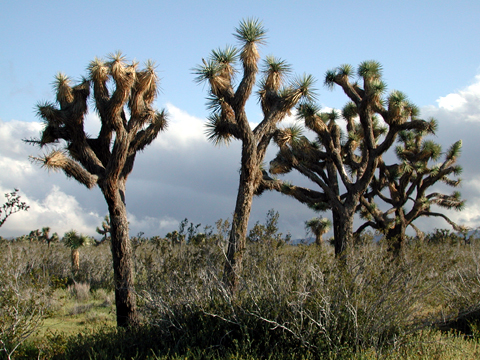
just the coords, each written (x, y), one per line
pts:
(23, 298)
(292, 302)
(290, 297)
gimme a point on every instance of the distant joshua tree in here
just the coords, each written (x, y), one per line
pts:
(45, 236)
(123, 96)
(75, 241)
(105, 230)
(229, 120)
(318, 227)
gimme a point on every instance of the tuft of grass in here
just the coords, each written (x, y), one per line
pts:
(80, 291)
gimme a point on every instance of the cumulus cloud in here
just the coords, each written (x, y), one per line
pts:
(458, 115)
(183, 130)
(181, 175)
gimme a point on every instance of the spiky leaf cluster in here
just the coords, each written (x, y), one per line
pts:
(408, 182)
(277, 93)
(73, 240)
(116, 86)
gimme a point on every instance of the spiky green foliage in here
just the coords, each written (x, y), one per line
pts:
(370, 69)
(228, 120)
(73, 240)
(408, 184)
(250, 31)
(318, 227)
(342, 164)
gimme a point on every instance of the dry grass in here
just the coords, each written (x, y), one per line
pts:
(297, 300)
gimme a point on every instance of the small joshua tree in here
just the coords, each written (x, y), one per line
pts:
(75, 241)
(123, 96)
(318, 227)
(45, 236)
(12, 206)
(105, 230)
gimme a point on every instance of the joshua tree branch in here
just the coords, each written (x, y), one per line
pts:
(57, 160)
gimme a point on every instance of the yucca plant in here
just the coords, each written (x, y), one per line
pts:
(75, 241)
(123, 96)
(229, 119)
(318, 227)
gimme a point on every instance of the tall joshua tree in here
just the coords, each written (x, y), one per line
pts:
(108, 159)
(406, 186)
(372, 123)
(229, 119)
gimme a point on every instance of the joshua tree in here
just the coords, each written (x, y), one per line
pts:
(318, 227)
(12, 206)
(108, 159)
(407, 184)
(229, 120)
(45, 236)
(105, 230)
(74, 241)
(35, 235)
(351, 160)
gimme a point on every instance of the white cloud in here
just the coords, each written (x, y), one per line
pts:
(59, 211)
(183, 130)
(464, 104)
(458, 115)
(451, 101)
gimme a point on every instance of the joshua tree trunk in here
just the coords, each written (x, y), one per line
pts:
(396, 235)
(342, 229)
(122, 256)
(75, 260)
(238, 233)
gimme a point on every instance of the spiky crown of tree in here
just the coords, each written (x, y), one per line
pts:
(372, 121)
(318, 226)
(410, 180)
(115, 85)
(277, 92)
(74, 240)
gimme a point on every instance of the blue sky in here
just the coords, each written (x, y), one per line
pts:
(429, 49)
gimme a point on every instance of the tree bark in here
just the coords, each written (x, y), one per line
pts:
(344, 231)
(125, 299)
(343, 215)
(75, 260)
(396, 235)
(238, 233)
